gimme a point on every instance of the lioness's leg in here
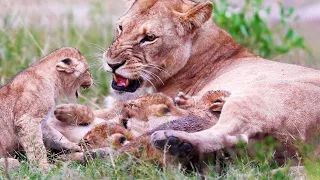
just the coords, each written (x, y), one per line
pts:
(30, 137)
(231, 128)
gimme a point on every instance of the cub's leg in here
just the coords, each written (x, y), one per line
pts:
(74, 114)
(13, 164)
(184, 101)
(77, 114)
(55, 140)
(30, 137)
(212, 100)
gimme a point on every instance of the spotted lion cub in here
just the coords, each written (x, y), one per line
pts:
(31, 95)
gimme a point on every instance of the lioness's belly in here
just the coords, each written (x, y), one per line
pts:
(280, 99)
(242, 76)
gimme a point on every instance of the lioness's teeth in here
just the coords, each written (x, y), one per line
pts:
(127, 83)
(115, 78)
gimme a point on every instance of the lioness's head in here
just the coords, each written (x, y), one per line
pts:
(73, 71)
(153, 42)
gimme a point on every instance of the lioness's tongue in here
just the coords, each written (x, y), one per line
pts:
(121, 81)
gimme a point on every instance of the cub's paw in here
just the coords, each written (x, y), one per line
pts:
(13, 164)
(183, 100)
(46, 167)
(75, 114)
(73, 147)
(100, 153)
(169, 141)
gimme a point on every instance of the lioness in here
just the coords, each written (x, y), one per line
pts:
(176, 41)
(31, 95)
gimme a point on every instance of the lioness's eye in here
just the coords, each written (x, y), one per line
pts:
(148, 37)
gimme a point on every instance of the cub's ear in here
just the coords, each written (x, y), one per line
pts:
(65, 65)
(128, 3)
(196, 16)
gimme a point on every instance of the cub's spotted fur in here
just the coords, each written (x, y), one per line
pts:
(30, 96)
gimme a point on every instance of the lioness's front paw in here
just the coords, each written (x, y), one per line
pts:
(169, 141)
(75, 114)
(183, 100)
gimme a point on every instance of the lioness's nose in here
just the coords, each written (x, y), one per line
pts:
(114, 67)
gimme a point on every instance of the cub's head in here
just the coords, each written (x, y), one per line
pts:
(152, 42)
(147, 112)
(72, 71)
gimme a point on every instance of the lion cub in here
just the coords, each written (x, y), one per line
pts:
(76, 123)
(31, 95)
(139, 118)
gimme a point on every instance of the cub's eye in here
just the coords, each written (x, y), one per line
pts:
(119, 29)
(125, 123)
(148, 37)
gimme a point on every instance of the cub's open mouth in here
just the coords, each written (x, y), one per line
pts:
(120, 83)
(77, 94)
(84, 85)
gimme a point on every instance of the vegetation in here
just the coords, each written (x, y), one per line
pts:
(22, 45)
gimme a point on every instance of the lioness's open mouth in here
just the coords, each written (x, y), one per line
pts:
(123, 84)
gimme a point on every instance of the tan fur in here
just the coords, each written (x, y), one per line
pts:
(75, 123)
(106, 135)
(30, 96)
(142, 116)
(196, 56)
(132, 120)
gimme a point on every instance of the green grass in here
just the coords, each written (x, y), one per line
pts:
(22, 45)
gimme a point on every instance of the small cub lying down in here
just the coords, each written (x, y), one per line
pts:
(31, 95)
(76, 124)
(136, 121)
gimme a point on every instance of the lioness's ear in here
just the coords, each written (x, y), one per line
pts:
(65, 65)
(196, 16)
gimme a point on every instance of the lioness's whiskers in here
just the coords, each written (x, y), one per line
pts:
(153, 74)
(96, 82)
(97, 46)
(96, 55)
(146, 78)
(94, 64)
(100, 68)
(159, 68)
